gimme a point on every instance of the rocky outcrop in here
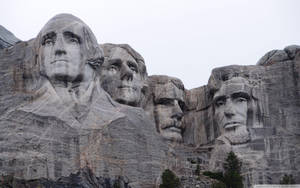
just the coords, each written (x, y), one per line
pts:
(275, 56)
(84, 178)
(272, 117)
(7, 39)
(59, 128)
(41, 137)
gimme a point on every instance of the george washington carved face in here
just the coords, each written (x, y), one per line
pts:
(65, 46)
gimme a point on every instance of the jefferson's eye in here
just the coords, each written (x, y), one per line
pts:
(132, 67)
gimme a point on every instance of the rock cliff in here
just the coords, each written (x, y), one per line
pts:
(103, 122)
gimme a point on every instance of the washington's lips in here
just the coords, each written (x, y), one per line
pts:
(232, 124)
(59, 60)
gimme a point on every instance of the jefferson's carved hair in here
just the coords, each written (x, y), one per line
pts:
(109, 49)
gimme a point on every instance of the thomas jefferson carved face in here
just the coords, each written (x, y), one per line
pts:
(122, 78)
(168, 110)
(60, 50)
(231, 107)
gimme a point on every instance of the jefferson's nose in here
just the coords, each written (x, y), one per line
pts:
(59, 47)
(126, 73)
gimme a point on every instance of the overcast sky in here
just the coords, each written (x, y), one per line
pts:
(180, 38)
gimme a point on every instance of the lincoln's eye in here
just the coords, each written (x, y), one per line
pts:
(241, 99)
(220, 102)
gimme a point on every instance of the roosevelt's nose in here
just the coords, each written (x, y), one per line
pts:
(126, 73)
(177, 112)
(59, 47)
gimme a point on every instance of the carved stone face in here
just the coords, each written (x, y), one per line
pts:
(121, 78)
(231, 107)
(60, 51)
(168, 111)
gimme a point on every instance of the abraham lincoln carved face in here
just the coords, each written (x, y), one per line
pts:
(230, 109)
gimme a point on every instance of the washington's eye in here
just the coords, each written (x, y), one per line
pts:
(71, 37)
(49, 39)
(74, 40)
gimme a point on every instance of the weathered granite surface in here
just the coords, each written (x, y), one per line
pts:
(7, 39)
(272, 119)
(84, 178)
(42, 136)
(59, 127)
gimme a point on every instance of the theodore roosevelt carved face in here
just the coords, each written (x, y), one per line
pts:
(168, 94)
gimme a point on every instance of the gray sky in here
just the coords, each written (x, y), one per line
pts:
(180, 38)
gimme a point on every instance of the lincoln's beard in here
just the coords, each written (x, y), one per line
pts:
(237, 135)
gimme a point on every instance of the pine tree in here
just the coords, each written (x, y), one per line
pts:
(287, 179)
(169, 180)
(232, 173)
(197, 171)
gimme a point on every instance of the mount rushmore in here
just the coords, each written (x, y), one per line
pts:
(76, 113)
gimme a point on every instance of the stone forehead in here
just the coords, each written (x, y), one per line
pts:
(61, 22)
(120, 52)
(166, 87)
(110, 48)
(234, 85)
(160, 80)
(169, 91)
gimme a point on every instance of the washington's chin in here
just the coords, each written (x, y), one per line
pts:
(64, 76)
(172, 134)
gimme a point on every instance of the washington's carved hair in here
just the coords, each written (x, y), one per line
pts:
(92, 54)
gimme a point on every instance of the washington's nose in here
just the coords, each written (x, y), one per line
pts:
(59, 47)
(126, 73)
